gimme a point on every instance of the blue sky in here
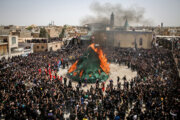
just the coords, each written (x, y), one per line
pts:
(71, 12)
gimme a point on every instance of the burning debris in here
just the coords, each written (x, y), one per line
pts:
(91, 66)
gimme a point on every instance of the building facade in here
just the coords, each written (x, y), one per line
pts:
(53, 31)
(8, 44)
(124, 39)
(51, 46)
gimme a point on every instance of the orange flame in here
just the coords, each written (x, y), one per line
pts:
(103, 60)
(92, 46)
(73, 67)
(81, 73)
(75, 73)
(90, 75)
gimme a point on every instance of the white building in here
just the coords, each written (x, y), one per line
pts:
(9, 46)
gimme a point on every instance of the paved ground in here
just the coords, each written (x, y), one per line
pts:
(115, 70)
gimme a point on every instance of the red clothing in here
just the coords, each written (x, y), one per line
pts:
(45, 71)
(50, 76)
(61, 78)
(103, 86)
(39, 71)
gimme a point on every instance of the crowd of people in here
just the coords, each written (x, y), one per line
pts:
(28, 92)
(177, 57)
(44, 40)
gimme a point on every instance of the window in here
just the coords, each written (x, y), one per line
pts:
(13, 40)
(140, 41)
(42, 47)
(5, 40)
(27, 47)
(37, 47)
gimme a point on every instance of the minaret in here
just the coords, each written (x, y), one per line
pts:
(126, 24)
(112, 20)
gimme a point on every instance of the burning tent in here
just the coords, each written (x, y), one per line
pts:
(91, 66)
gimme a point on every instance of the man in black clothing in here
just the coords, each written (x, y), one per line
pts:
(65, 80)
(118, 78)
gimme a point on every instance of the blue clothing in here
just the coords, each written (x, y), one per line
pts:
(117, 118)
(59, 64)
(82, 100)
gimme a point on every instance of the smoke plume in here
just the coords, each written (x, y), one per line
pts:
(102, 12)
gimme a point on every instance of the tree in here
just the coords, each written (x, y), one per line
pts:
(29, 28)
(61, 35)
(43, 33)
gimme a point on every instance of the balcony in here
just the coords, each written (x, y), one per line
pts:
(3, 42)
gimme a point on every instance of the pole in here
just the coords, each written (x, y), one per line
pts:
(172, 45)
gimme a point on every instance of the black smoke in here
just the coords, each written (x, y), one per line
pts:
(102, 12)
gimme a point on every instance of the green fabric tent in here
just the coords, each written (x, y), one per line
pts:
(88, 67)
